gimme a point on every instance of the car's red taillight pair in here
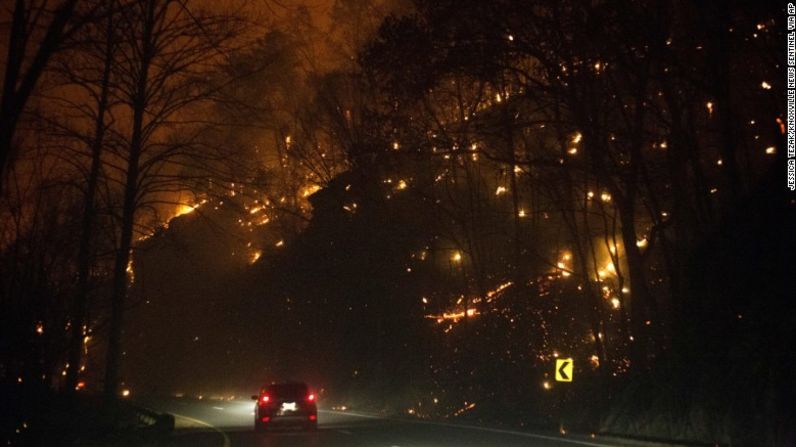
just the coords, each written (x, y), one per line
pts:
(264, 399)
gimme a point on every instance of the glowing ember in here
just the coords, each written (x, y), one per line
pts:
(498, 290)
(609, 269)
(255, 256)
(467, 407)
(453, 316)
(562, 266)
(310, 190)
(184, 209)
(130, 270)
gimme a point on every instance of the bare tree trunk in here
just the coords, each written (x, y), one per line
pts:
(717, 21)
(120, 280)
(79, 308)
(641, 301)
(684, 224)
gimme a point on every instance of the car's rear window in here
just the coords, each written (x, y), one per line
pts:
(287, 390)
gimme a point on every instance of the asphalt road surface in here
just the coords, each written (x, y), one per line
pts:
(230, 424)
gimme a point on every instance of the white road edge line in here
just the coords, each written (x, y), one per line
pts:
(472, 427)
(227, 442)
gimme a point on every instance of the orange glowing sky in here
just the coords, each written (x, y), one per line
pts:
(330, 42)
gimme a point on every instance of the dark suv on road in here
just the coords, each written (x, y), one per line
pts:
(285, 404)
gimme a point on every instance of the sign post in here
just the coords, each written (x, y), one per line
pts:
(564, 370)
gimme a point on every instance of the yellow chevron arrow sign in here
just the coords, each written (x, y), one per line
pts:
(564, 370)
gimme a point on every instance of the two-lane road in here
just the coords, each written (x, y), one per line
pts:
(229, 424)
